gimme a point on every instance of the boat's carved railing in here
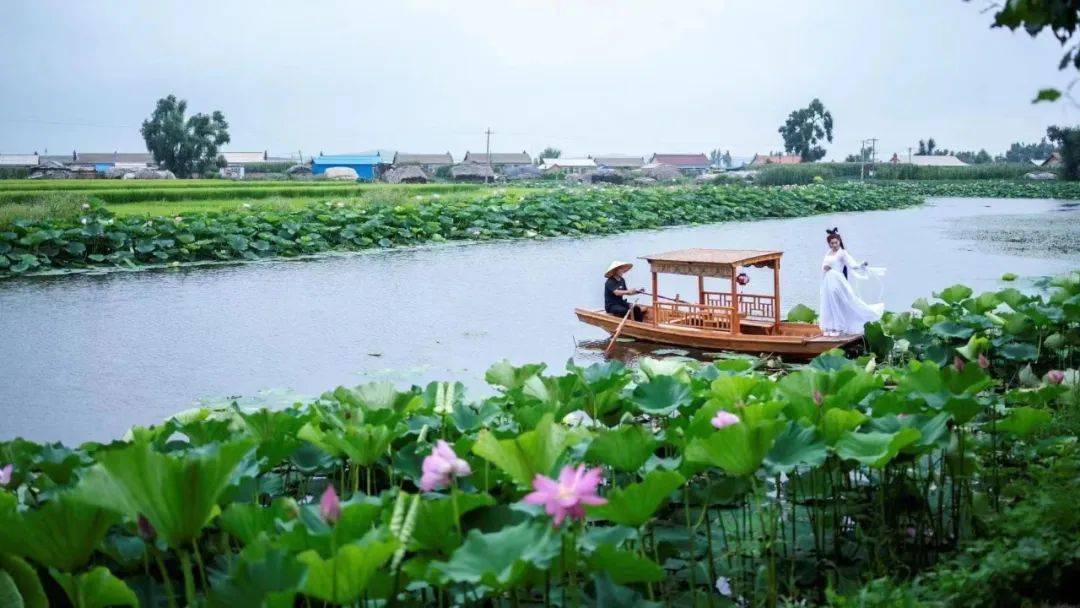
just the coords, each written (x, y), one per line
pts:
(751, 306)
(686, 314)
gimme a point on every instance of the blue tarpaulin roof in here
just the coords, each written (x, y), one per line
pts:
(347, 159)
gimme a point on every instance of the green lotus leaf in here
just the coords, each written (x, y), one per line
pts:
(801, 313)
(797, 445)
(22, 586)
(661, 395)
(954, 294)
(875, 449)
(635, 504)
(529, 454)
(1023, 421)
(625, 448)
(435, 527)
(97, 588)
(500, 559)
(504, 374)
(344, 577)
(951, 329)
(836, 422)
(654, 368)
(974, 346)
(248, 521)
(275, 432)
(177, 493)
(61, 534)
(361, 444)
(624, 566)
(608, 594)
(739, 449)
(1020, 352)
(260, 577)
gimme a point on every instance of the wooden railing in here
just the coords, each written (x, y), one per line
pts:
(685, 314)
(751, 306)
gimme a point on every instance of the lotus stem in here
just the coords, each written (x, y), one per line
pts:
(169, 591)
(189, 580)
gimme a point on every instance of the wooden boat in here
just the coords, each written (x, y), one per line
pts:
(720, 320)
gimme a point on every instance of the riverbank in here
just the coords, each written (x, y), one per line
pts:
(100, 238)
(740, 480)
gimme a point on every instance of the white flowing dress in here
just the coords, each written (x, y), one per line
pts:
(842, 311)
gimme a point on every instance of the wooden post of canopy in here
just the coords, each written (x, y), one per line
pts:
(701, 289)
(735, 329)
(776, 294)
(655, 312)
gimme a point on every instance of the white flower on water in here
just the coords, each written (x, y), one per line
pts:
(178, 219)
(84, 221)
(578, 418)
(85, 205)
(246, 205)
(723, 586)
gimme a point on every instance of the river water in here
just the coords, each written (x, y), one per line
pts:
(84, 357)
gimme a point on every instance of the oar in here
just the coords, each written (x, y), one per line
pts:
(618, 330)
(679, 300)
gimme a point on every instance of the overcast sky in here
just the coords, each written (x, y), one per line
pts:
(588, 76)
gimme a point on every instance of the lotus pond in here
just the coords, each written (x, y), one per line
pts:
(861, 482)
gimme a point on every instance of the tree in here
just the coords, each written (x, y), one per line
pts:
(716, 157)
(922, 148)
(805, 128)
(930, 145)
(1061, 16)
(186, 147)
(550, 152)
(1068, 141)
(1020, 152)
(727, 158)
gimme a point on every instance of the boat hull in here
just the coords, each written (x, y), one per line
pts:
(802, 340)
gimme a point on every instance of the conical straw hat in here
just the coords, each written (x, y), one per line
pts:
(616, 265)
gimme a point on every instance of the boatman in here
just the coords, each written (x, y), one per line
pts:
(615, 291)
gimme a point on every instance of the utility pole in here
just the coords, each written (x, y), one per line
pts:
(487, 148)
(909, 155)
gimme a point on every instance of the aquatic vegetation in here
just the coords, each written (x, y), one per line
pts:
(97, 238)
(678, 482)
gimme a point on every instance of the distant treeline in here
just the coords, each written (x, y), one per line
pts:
(782, 175)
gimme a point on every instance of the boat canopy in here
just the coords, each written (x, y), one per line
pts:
(720, 263)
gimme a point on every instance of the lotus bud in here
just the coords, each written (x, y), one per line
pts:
(723, 419)
(292, 510)
(1054, 376)
(5, 474)
(423, 434)
(818, 398)
(871, 365)
(146, 529)
(329, 505)
(983, 361)
(958, 363)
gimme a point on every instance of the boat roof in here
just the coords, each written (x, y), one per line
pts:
(720, 257)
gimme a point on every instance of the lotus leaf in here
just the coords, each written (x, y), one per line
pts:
(500, 559)
(797, 445)
(177, 493)
(625, 448)
(661, 395)
(61, 534)
(624, 566)
(97, 588)
(739, 449)
(635, 504)
(344, 577)
(875, 449)
(531, 453)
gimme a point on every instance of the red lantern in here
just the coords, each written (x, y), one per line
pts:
(742, 278)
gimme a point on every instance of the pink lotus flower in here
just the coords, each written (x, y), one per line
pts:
(329, 505)
(5, 474)
(724, 418)
(1054, 376)
(440, 466)
(818, 397)
(983, 361)
(566, 497)
(958, 363)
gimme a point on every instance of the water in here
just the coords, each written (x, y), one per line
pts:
(84, 357)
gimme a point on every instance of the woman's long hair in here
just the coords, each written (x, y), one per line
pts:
(834, 233)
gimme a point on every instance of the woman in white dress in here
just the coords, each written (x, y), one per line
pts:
(842, 311)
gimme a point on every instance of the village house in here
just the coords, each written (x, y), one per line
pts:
(103, 161)
(19, 160)
(619, 163)
(689, 164)
(500, 161)
(567, 165)
(367, 166)
(429, 163)
(775, 159)
(240, 159)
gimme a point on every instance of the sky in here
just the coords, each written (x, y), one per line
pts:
(586, 76)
